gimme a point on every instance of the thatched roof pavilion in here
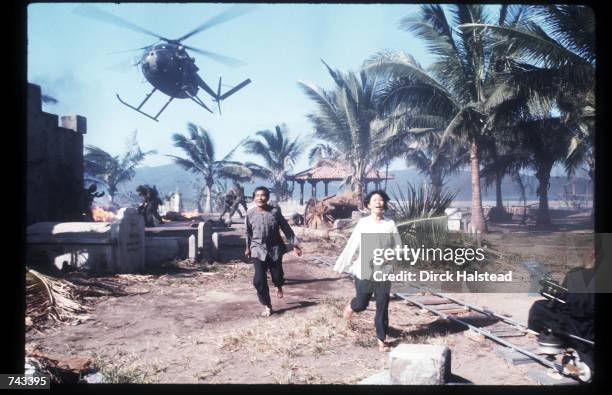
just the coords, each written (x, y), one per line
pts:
(326, 170)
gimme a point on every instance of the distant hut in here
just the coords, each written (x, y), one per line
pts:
(326, 171)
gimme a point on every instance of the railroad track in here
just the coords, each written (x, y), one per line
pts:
(452, 309)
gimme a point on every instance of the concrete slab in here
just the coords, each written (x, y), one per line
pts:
(514, 357)
(419, 364)
(380, 378)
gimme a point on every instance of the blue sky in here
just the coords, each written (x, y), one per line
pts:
(72, 58)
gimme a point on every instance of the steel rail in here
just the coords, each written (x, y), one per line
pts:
(500, 317)
(479, 309)
(554, 365)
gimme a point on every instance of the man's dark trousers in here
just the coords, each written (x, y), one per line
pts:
(260, 280)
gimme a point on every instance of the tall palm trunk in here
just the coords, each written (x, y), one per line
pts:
(543, 176)
(435, 176)
(499, 176)
(478, 220)
(386, 175)
(199, 200)
(208, 204)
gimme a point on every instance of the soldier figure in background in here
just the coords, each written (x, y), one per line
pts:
(149, 208)
(240, 200)
(230, 197)
(88, 197)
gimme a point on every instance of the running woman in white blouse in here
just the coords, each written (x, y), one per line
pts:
(375, 223)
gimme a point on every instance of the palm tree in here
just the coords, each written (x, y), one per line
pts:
(423, 149)
(348, 121)
(279, 155)
(547, 141)
(559, 42)
(462, 85)
(199, 149)
(104, 168)
(503, 157)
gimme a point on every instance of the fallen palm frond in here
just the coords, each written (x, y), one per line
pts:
(48, 297)
(420, 216)
(62, 299)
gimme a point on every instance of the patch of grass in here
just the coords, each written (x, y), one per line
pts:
(120, 369)
(366, 342)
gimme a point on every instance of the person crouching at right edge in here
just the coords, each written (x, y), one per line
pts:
(266, 247)
(375, 223)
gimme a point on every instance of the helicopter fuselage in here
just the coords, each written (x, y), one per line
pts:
(169, 68)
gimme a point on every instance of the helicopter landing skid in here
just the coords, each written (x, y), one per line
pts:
(137, 109)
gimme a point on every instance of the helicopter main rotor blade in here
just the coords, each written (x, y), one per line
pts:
(124, 65)
(129, 50)
(103, 16)
(226, 60)
(230, 13)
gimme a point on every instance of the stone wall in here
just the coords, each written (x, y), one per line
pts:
(54, 170)
(97, 247)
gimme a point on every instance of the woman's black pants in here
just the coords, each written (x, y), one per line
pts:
(363, 293)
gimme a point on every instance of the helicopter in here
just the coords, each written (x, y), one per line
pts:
(166, 64)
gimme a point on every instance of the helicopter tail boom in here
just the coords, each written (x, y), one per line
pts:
(217, 96)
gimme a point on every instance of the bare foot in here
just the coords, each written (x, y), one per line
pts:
(348, 312)
(279, 292)
(383, 346)
(267, 312)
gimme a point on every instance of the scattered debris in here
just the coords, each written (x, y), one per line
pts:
(64, 299)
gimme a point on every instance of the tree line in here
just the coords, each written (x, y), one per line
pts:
(506, 92)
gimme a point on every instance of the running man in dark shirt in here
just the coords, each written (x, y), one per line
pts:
(266, 247)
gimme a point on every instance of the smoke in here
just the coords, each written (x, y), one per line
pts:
(64, 94)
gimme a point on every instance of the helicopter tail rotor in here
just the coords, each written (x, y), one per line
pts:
(217, 96)
(227, 94)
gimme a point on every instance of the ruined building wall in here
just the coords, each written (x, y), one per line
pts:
(54, 169)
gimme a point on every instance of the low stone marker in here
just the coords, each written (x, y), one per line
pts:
(454, 219)
(216, 242)
(205, 243)
(419, 364)
(191, 255)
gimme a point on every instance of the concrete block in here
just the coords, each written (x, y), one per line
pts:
(162, 249)
(205, 240)
(380, 378)
(420, 364)
(98, 247)
(216, 242)
(34, 99)
(191, 255)
(513, 357)
(77, 123)
(454, 218)
(129, 232)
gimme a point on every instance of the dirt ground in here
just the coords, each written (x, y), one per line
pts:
(201, 324)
